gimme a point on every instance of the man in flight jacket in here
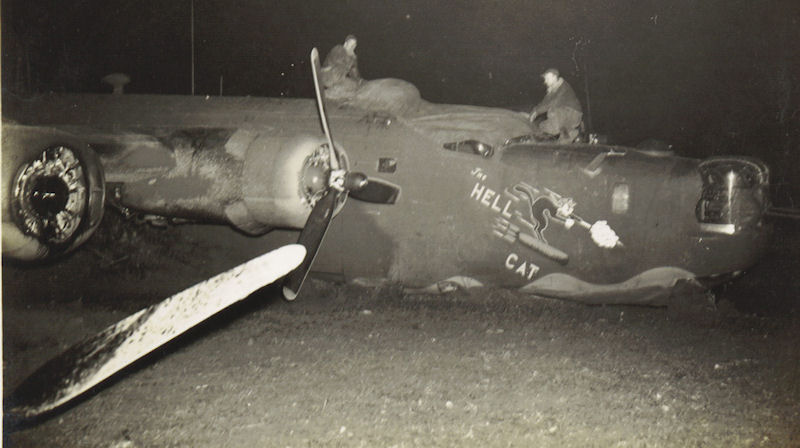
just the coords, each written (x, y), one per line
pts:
(564, 112)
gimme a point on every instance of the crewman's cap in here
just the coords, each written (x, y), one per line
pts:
(350, 37)
(551, 70)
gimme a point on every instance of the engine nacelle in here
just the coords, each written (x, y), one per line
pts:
(255, 182)
(282, 180)
(53, 192)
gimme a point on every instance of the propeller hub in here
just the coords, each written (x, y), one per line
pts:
(315, 178)
(316, 175)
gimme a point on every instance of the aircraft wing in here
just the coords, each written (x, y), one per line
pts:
(252, 163)
(59, 170)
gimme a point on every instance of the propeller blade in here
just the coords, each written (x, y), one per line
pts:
(377, 191)
(323, 116)
(322, 213)
(96, 358)
(311, 239)
(357, 184)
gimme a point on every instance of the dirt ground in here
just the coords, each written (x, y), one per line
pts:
(348, 366)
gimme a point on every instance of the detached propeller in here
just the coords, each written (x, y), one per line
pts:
(96, 358)
(340, 182)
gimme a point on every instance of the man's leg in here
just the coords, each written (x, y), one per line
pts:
(569, 135)
(569, 124)
(549, 128)
(345, 89)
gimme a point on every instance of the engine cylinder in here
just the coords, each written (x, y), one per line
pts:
(53, 192)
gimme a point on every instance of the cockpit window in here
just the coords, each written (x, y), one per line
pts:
(471, 147)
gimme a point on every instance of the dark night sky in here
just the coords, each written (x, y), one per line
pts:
(712, 76)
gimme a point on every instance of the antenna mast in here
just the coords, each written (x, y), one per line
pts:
(192, 38)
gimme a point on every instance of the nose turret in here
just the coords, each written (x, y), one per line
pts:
(734, 197)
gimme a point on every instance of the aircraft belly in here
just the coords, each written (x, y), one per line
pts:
(651, 287)
(731, 253)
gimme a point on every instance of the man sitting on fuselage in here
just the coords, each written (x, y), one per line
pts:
(339, 74)
(561, 105)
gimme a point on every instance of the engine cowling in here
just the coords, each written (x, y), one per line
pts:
(294, 177)
(53, 192)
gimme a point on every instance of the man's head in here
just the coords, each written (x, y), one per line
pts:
(350, 43)
(550, 77)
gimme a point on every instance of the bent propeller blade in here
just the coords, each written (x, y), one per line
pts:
(323, 116)
(91, 361)
(322, 213)
(356, 184)
(311, 238)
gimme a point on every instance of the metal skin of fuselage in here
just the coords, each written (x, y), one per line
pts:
(592, 223)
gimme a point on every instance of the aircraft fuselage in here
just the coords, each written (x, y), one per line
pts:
(594, 223)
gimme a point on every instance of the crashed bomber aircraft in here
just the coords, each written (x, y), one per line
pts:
(479, 203)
